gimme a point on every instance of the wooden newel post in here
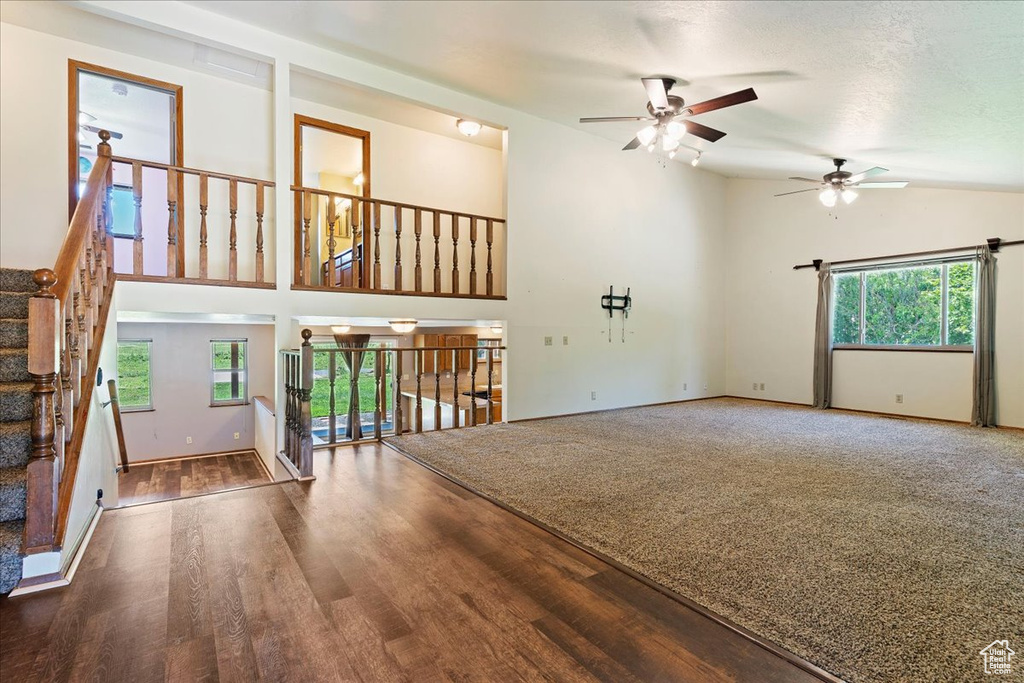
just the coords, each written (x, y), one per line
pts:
(45, 330)
(305, 409)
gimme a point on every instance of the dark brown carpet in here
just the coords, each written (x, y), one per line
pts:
(876, 548)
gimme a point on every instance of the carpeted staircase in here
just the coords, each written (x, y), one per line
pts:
(16, 286)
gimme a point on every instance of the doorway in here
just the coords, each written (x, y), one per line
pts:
(144, 119)
(335, 158)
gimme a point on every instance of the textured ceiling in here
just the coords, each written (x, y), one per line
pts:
(932, 90)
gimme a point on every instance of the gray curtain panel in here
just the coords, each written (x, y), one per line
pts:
(823, 340)
(354, 362)
(983, 414)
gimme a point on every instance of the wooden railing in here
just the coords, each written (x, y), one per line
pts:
(67, 320)
(298, 386)
(225, 229)
(395, 248)
(115, 411)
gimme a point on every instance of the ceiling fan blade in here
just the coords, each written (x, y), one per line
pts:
(602, 119)
(805, 180)
(702, 131)
(633, 144)
(857, 177)
(813, 189)
(894, 185)
(657, 93)
(738, 97)
(113, 133)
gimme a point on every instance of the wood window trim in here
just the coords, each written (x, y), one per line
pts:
(74, 67)
(303, 120)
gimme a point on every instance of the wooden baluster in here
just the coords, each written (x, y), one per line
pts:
(86, 319)
(137, 261)
(332, 218)
(204, 201)
(472, 388)
(455, 389)
(397, 374)
(376, 245)
(437, 390)
(305, 409)
(289, 450)
(233, 234)
(43, 363)
(378, 398)
(455, 253)
(398, 248)
(172, 223)
(418, 272)
(490, 388)
(357, 237)
(76, 356)
(332, 375)
(472, 256)
(437, 253)
(418, 356)
(490, 270)
(259, 231)
(307, 263)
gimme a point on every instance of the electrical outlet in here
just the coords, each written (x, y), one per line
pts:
(548, 341)
(762, 386)
(593, 395)
(684, 386)
(237, 436)
(565, 341)
(705, 386)
(755, 386)
(188, 439)
(899, 398)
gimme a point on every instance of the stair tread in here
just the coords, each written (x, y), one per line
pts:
(15, 387)
(12, 475)
(19, 427)
(10, 553)
(16, 280)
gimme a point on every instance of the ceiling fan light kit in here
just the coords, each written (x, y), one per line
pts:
(840, 184)
(664, 110)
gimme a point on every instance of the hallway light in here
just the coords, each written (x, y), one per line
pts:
(496, 329)
(696, 159)
(467, 127)
(404, 326)
(359, 180)
(340, 329)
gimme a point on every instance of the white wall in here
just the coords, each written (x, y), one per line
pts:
(100, 456)
(772, 307)
(265, 435)
(180, 372)
(228, 128)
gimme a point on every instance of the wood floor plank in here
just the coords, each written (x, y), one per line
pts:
(380, 570)
(169, 479)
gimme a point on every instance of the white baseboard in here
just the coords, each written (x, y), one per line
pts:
(46, 581)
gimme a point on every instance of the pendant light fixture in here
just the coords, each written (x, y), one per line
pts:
(403, 326)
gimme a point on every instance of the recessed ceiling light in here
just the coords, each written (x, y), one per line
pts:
(467, 127)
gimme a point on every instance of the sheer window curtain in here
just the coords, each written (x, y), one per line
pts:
(983, 413)
(823, 340)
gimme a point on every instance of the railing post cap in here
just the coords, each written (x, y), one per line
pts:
(44, 279)
(103, 149)
(306, 334)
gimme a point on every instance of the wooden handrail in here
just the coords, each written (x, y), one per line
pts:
(82, 222)
(115, 407)
(398, 205)
(187, 170)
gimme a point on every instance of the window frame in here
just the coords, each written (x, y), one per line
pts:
(488, 343)
(862, 271)
(149, 366)
(244, 400)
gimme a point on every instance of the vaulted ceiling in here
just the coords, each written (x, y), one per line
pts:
(932, 90)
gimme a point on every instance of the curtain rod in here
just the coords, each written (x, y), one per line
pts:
(994, 243)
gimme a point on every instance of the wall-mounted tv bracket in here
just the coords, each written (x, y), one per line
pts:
(611, 303)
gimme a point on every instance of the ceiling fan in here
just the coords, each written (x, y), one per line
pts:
(840, 183)
(664, 109)
(85, 120)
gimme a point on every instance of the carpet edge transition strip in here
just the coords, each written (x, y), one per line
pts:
(754, 638)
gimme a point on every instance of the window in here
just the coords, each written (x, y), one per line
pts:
(229, 372)
(122, 208)
(134, 377)
(922, 305)
(481, 354)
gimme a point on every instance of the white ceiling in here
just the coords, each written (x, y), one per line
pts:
(932, 90)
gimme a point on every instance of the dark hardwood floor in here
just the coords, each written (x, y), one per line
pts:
(378, 571)
(146, 483)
